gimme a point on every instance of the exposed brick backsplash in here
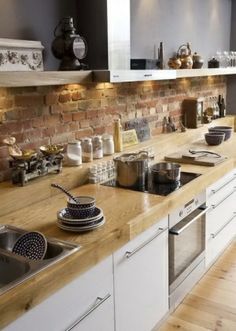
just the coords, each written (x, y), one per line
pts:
(58, 114)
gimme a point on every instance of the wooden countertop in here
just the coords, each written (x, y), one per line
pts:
(127, 213)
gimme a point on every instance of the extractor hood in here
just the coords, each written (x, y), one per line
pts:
(105, 24)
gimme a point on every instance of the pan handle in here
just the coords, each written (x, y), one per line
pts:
(206, 152)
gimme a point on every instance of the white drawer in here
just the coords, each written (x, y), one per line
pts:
(220, 240)
(219, 190)
(79, 300)
(220, 214)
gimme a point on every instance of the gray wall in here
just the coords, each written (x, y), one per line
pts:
(204, 23)
(231, 81)
(35, 20)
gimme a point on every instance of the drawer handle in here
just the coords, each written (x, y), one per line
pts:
(219, 203)
(97, 303)
(213, 235)
(220, 188)
(129, 254)
(147, 75)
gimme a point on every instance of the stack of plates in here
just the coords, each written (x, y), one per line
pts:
(66, 221)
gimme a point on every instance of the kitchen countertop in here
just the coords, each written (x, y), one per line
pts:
(127, 213)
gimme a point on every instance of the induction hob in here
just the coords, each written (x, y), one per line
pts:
(156, 188)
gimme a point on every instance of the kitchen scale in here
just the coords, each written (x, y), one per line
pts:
(155, 188)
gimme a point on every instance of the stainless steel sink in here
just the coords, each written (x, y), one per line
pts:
(14, 269)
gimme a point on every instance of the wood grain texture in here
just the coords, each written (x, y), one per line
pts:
(211, 305)
(44, 78)
(128, 213)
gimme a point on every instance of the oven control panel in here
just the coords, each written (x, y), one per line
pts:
(186, 209)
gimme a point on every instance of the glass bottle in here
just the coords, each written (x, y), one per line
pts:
(108, 144)
(74, 153)
(97, 147)
(118, 143)
(87, 150)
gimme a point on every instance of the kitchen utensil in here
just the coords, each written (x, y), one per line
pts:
(165, 172)
(174, 62)
(51, 149)
(197, 61)
(184, 54)
(204, 152)
(193, 112)
(32, 245)
(226, 129)
(214, 138)
(66, 216)
(81, 202)
(131, 169)
(81, 228)
(198, 159)
(65, 191)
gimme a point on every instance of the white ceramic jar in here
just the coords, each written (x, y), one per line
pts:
(74, 153)
(108, 144)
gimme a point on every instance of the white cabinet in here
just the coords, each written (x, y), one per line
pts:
(141, 280)
(221, 217)
(86, 304)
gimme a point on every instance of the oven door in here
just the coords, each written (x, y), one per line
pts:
(186, 246)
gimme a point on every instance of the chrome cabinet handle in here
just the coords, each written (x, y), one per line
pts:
(225, 184)
(128, 254)
(97, 303)
(147, 75)
(227, 196)
(213, 235)
(186, 225)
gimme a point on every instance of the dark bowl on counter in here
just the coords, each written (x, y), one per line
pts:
(214, 138)
(82, 208)
(226, 129)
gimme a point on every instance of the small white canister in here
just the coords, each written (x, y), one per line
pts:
(108, 144)
(74, 153)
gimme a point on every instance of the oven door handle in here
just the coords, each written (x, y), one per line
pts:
(186, 225)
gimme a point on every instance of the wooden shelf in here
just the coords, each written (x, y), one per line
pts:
(186, 73)
(119, 76)
(43, 78)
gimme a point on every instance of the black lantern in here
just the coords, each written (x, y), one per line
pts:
(69, 47)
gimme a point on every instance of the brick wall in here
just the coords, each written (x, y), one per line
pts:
(43, 115)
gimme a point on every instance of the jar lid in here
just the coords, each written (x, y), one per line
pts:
(74, 142)
(97, 138)
(87, 139)
(107, 136)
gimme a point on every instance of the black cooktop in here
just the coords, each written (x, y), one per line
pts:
(159, 189)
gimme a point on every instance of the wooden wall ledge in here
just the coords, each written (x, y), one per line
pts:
(46, 78)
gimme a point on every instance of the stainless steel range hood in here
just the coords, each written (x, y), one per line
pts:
(106, 26)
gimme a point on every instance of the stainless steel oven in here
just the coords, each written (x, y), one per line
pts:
(186, 247)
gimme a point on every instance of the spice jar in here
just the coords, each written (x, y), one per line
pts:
(97, 147)
(87, 150)
(108, 144)
(74, 153)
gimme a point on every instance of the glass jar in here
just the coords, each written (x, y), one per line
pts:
(87, 150)
(74, 153)
(97, 147)
(108, 144)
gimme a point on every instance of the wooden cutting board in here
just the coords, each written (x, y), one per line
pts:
(200, 159)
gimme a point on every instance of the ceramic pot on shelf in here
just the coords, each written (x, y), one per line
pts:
(197, 61)
(184, 54)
